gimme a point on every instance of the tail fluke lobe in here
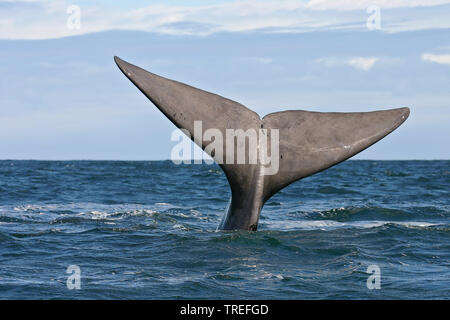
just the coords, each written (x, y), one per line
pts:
(313, 141)
(184, 105)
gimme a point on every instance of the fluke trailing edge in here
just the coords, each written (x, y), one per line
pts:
(308, 142)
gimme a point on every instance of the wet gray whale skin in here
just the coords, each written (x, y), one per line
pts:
(309, 142)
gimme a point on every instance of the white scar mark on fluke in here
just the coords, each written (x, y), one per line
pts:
(309, 142)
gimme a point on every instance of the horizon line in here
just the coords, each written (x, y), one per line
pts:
(142, 160)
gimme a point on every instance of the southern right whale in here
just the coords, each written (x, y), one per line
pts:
(309, 142)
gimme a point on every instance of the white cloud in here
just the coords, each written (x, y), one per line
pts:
(329, 61)
(437, 58)
(262, 60)
(360, 63)
(40, 19)
(344, 5)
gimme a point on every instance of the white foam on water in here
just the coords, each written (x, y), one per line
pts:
(182, 279)
(99, 215)
(330, 224)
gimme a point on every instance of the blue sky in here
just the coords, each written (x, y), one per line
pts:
(62, 97)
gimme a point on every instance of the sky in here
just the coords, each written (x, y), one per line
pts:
(62, 97)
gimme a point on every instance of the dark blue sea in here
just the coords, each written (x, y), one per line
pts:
(147, 230)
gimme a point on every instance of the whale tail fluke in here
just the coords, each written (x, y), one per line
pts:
(309, 142)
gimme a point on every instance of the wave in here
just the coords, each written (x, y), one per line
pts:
(79, 217)
(344, 214)
(330, 224)
(338, 191)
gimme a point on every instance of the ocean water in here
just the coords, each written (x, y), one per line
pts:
(147, 230)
